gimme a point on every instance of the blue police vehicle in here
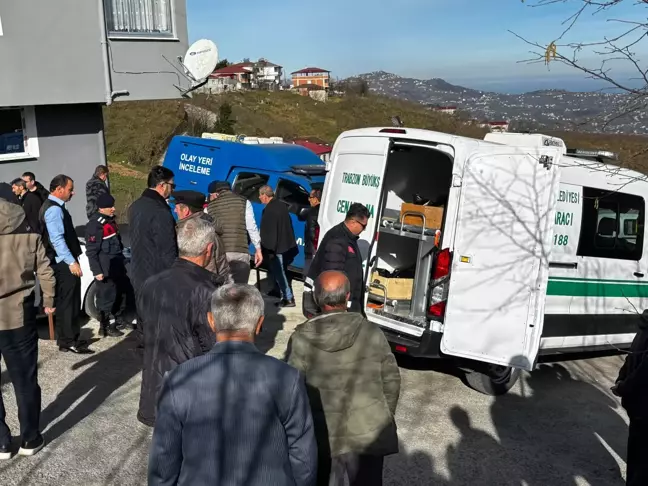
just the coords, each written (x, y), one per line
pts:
(291, 170)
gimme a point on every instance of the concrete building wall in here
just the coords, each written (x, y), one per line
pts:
(50, 52)
(55, 52)
(138, 65)
(71, 142)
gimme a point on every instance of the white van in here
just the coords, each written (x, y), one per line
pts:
(538, 251)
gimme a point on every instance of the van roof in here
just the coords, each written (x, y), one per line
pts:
(279, 157)
(409, 133)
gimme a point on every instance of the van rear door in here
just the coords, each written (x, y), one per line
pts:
(358, 168)
(500, 262)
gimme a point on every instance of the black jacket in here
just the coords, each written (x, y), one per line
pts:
(104, 247)
(632, 383)
(95, 187)
(31, 204)
(41, 192)
(311, 232)
(339, 250)
(153, 237)
(173, 306)
(277, 234)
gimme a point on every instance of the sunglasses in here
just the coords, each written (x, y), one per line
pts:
(173, 186)
(364, 225)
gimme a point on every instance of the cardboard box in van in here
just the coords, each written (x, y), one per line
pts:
(396, 288)
(433, 215)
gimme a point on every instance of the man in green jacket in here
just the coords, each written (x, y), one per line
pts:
(353, 385)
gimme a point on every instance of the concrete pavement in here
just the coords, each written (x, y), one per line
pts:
(559, 426)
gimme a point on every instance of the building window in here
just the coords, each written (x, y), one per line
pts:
(293, 195)
(139, 17)
(18, 138)
(613, 225)
(248, 184)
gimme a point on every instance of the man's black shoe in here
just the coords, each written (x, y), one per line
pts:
(31, 447)
(5, 452)
(287, 303)
(75, 350)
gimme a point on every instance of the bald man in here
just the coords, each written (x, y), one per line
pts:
(353, 385)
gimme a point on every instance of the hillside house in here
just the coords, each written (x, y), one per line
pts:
(262, 74)
(65, 68)
(311, 76)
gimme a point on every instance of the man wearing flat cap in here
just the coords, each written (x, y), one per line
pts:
(104, 250)
(234, 213)
(190, 205)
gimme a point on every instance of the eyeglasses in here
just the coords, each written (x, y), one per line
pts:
(364, 225)
(173, 186)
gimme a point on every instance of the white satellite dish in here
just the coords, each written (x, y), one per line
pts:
(200, 60)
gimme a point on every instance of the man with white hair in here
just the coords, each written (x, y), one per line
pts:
(173, 307)
(234, 416)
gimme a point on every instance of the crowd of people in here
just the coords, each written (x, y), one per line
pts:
(222, 412)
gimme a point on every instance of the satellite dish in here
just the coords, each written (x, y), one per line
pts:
(200, 60)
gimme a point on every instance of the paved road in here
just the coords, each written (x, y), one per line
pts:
(559, 426)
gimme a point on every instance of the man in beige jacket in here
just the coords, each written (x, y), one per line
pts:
(22, 258)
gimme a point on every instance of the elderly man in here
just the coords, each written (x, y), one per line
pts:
(173, 306)
(353, 384)
(30, 202)
(189, 206)
(63, 249)
(95, 187)
(22, 258)
(278, 243)
(236, 216)
(234, 416)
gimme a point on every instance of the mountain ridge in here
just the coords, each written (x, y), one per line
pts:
(553, 109)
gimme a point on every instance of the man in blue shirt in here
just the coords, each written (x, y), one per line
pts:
(63, 249)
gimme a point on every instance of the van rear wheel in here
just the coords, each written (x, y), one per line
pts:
(493, 380)
(90, 302)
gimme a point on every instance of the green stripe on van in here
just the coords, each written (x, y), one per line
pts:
(596, 288)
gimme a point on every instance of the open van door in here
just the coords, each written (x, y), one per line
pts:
(356, 175)
(500, 262)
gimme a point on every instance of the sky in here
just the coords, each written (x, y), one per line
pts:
(465, 42)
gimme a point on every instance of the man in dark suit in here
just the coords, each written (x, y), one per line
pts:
(152, 232)
(234, 416)
(278, 243)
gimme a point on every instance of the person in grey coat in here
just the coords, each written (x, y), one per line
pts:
(353, 384)
(234, 416)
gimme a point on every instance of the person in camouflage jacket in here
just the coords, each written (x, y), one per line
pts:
(95, 187)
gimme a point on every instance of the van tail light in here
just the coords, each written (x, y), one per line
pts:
(440, 284)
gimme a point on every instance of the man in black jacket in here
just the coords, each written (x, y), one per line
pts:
(311, 231)
(278, 242)
(30, 202)
(339, 250)
(34, 186)
(95, 187)
(104, 250)
(152, 230)
(173, 306)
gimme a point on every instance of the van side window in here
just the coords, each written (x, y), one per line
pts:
(247, 184)
(294, 195)
(613, 225)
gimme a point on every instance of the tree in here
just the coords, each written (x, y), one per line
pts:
(613, 55)
(222, 64)
(225, 123)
